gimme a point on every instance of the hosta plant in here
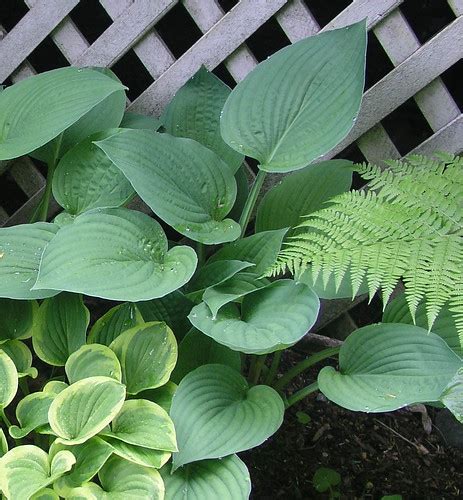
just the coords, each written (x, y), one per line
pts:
(156, 399)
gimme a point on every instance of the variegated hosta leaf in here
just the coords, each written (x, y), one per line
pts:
(138, 454)
(21, 248)
(185, 184)
(54, 387)
(45, 494)
(90, 457)
(27, 469)
(8, 380)
(216, 414)
(21, 356)
(147, 354)
(162, 396)
(122, 480)
(91, 361)
(85, 408)
(116, 254)
(226, 478)
(143, 423)
(452, 397)
(16, 318)
(3, 444)
(61, 328)
(271, 319)
(117, 320)
(387, 366)
(31, 413)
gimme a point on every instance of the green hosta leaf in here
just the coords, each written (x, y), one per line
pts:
(90, 457)
(21, 248)
(216, 414)
(8, 380)
(3, 444)
(136, 121)
(300, 103)
(138, 454)
(260, 249)
(271, 318)
(122, 480)
(452, 397)
(195, 111)
(91, 361)
(173, 309)
(85, 408)
(114, 322)
(85, 178)
(107, 114)
(37, 109)
(26, 470)
(161, 396)
(21, 356)
(197, 349)
(227, 479)
(147, 354)
(387, 366)
(188, 186)
(54, 387)
(325, 478)
(397, 311)
(31, 413)
(143, 423)
(16, 318)
(214, 274)
(45, 494)
(242, 186)
(302, 193)
(231, 290)
(61, 328)
(117, 254)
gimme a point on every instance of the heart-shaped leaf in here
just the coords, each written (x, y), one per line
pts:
(21, 248)
(45, 494)
(25, 470)
(302, 193)
(227, 479)
(143, 423)
(300, 103)
(387, 366)
(117, 320)
(91, 361)
(85, 408)
(272, 318)
(54, 387)
(164, 170)
(117, 254)
(197, 349)
(452, 397)
(136, 121)
(3, 444)
(90, 457)
(8, 380)
(16, 318)
(173, 309)
(31, 413)
(147, 354)
(37, 109)
(61, 328)
(121, 479)
(397, 311)
(138, 454)
(85, 178)
(216, 414)
(260, 249)
(21, 356)
(194, 112)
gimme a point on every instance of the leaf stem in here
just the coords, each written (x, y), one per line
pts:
(257, 363)
(251, 201)
(301, 394)
(4, 417)
(304, 365)
(24, 386)
(272, 373)
(201, 252)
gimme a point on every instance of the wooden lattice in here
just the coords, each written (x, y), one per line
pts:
(416, 72)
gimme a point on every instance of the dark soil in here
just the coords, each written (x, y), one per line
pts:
(375, 454)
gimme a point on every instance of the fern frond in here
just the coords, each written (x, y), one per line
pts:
(407, 225)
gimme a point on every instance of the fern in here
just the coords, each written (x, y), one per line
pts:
(407, 225)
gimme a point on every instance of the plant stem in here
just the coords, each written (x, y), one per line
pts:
(273, 367)
(304, 365)
(297, 396)
(257, 362)
(4, 418)
(201, 251)
(24, 386)
(251, 201)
